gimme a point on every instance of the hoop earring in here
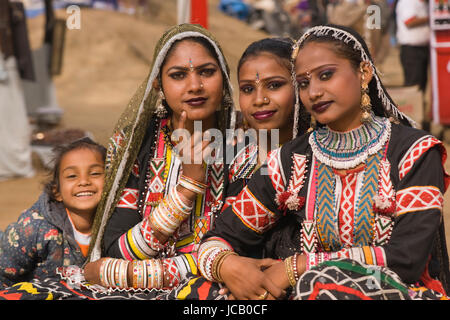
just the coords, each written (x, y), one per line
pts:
(366, 105)
(161, 111)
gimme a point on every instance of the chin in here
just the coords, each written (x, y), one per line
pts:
(199, 115)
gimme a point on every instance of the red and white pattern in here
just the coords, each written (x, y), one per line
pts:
(215, 183)
(128, 199)
(253, 213)
(290, 199)
(274, 170)
(171, 272)
(298, 173)
(347, 209)
(147, 234)
(417, 149)
(135, 169)
(418, 198)
(228, 202)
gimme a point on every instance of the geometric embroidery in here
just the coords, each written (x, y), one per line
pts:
(252, 213)
(325, 206)
(200, 228)
(347, 209)
(418, 198)
(298, 174)
(244, 163)
(308, 237)
(128, 199)
(274, 170)
(157, 175)
(215, 183)
(326, 217)
(386, 189)
(416, 150)
(363, 229)
(290, 199)
(382, 229)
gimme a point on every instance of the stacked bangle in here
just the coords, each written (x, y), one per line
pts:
(217, 264)
(209, 253)
(192, 185)
(290, 271)
(170, 213)
(114, 272)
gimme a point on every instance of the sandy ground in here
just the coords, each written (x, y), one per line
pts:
(106, 60)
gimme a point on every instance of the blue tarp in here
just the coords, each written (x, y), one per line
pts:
(235, 8)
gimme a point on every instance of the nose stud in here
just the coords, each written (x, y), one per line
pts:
(266, 100)
(201, 85)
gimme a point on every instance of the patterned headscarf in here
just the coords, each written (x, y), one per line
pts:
(351, 38)
(135, 121)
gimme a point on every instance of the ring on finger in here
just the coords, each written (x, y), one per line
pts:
(263, 296)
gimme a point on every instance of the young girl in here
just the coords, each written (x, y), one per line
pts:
(366, 188)
(55, 231)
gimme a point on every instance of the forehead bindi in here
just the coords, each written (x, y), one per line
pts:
(188, 53)
(262, 66)
(314, 55)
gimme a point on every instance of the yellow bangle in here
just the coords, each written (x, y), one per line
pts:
(290, 271)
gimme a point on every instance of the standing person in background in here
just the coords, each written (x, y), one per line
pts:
(15, 65)
(413, 36)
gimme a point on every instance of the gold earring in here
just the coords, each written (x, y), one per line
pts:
(161, 110)
(312, 124)
(245, 125)
(366, 105)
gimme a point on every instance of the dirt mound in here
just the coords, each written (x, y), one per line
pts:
(104, 62)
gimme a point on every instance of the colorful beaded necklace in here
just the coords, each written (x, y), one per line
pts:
(346, 150)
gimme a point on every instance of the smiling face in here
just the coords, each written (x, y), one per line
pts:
(192, 81)
(329, 86)
(81, 178)
(266, 94)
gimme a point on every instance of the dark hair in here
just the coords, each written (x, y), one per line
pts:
(59, 152)
(200, 40)
(346, 50)
(280, 47)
